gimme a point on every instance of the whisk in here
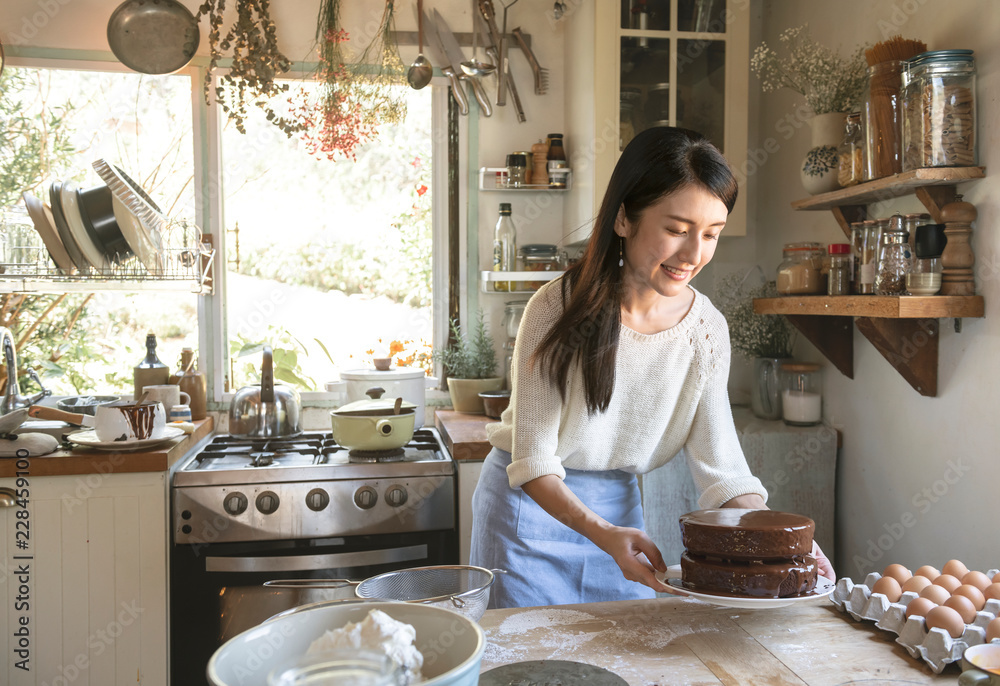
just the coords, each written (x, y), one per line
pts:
(541, 73)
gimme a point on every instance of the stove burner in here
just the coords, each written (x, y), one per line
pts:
(394, 455)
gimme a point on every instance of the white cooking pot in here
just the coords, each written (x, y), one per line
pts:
(398, 382)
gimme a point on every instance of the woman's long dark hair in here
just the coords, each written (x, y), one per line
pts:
(657, 162)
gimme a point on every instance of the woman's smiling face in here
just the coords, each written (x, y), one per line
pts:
(672, 240)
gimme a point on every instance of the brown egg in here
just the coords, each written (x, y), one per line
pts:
(916, 584)
(920, 606)
(973, 594)
(948, 582)
(888, 587)
(963, 606)
(946, 618)
(996, 578)
(977, 579)
(993, 629)
(992, 592)
(928, 571)
(935, 594)
(956, 568)
(897, 572)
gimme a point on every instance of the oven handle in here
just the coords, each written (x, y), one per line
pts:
(301, 563)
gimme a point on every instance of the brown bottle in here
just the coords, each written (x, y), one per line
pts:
(149, 372)
(192, 381)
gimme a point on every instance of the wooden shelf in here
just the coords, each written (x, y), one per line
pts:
(882, 306)
(890, 187)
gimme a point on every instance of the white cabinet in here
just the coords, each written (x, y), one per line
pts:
(93, 596)
(468, 477)
(631, 65)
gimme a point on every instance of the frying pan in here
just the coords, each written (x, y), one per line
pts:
(153, 37)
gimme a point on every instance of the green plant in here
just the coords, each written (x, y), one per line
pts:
(829, 82)
(751, 334)
(468, 356)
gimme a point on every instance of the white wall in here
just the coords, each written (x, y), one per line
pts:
(897, 444)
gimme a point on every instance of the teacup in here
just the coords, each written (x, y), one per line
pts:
(126, 422)
(168, 394)
(982, 665)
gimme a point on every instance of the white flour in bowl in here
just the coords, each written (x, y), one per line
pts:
(380, 633)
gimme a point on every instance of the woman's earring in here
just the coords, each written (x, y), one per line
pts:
(621, 251)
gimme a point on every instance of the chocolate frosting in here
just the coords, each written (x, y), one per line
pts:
(777, 579)
(736, 534)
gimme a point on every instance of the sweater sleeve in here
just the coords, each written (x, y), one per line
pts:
(716, 459)
(531, 425)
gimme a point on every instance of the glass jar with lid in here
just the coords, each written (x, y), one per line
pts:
(850, 169)
(540, 257)
(802, 393)
(880, 114)
(512, 313)
(942, 88)
(895, 260)
(801, 269)
(838, 275)
(911, 222)
(867, 246)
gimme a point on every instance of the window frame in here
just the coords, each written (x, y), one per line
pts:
(207, 155)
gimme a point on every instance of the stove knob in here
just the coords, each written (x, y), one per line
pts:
(396, 496)
(234, 504)
(365, 497)
(267, 502)
(317, 499)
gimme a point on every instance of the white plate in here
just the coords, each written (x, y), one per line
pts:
(137, 237)
(50, 236)
(824, 587)
(89, 439)
(71, 210)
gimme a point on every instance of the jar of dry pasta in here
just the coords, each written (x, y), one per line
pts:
(801, 270)
(943, 83)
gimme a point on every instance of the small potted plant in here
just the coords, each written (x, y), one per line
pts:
(470, 364)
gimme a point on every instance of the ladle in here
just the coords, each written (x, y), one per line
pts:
(474, 67)
(421, 71)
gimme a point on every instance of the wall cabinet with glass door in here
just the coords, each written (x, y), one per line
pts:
(635, 64)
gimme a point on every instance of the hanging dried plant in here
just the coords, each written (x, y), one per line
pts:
(383, 74)
(256, 63)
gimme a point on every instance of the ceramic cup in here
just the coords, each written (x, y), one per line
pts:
(180, 413)
(169, 395)
(125, 422)
(982, 665)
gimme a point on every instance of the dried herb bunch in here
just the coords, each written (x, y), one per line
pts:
(256, 63)
(386, 74)
(753, 335)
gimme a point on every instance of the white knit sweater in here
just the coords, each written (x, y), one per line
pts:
(670, 393)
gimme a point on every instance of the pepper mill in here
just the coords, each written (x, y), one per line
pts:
(540, 163)
(958, 258)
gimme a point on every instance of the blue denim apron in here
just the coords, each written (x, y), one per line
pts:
(548, 563)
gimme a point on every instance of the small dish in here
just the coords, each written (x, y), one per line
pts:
(89, 439)
(65, 234)
(495, 402)
(40, 216)
(671, 578)
(91, 249)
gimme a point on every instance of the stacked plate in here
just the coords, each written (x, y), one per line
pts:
(90, 230)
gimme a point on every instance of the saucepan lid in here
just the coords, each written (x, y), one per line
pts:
(376, 407)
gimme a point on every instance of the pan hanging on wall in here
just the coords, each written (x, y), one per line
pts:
(153, 36)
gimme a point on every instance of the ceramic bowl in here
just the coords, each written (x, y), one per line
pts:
(495, 402)
(85, 404)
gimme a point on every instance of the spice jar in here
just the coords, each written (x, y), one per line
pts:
(802, 394)
(942, 89)
(556, 161)
(895, 260)
(850, 161)
(880, 120)
(911, 222)
(517, 170)
(540, 257)
(925, 277)
(838, 275)
(867, 262)
(801, 270)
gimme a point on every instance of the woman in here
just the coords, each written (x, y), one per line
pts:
(617, 366)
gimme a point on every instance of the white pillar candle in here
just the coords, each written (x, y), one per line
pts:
(801, 407)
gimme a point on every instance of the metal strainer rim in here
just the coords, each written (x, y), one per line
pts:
(491, 578)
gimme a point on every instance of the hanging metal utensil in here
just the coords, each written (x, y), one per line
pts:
(153, 37)
(504, 67)
(475, 67)
(421, 70)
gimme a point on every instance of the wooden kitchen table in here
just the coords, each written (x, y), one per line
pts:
(673, 641)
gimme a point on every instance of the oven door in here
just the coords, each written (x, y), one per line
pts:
(217, 591)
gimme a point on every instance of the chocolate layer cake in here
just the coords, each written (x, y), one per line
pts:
(756, 553)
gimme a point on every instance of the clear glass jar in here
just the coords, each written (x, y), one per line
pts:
(880, 119)
(942, 89)
(838, 276)
(540, 257)
(850, 153)
(895, 262)
(517, 170)
(512, 313)
(802, 394)
(343, 667)
(801, 269)
(911, 222)
(911, 119)
(867, 260)
(925, 277)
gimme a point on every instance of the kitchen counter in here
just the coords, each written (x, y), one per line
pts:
(684, 641)
(82, 460)
(464, 434)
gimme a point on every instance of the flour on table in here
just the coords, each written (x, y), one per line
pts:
(380, 633)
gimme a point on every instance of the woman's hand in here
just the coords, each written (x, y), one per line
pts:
(635, 554)
(823, 563)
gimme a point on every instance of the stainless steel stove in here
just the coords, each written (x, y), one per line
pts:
(248, 511)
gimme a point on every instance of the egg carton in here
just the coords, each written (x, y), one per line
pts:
(935, 646)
